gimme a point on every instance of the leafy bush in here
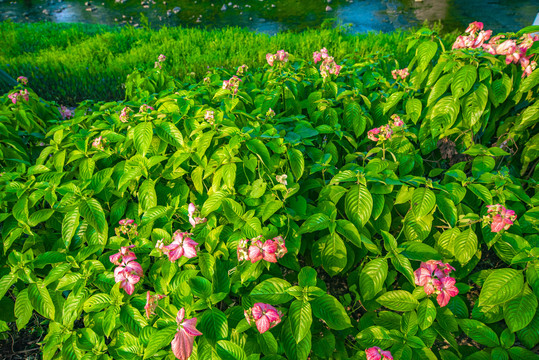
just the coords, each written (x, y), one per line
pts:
(301, 211)
(72, 63)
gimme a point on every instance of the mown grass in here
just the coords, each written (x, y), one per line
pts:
(69, 63)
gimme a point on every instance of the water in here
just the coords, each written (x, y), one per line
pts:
(270, 16)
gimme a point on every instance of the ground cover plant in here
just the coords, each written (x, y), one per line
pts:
(319, 208)
(70, 63)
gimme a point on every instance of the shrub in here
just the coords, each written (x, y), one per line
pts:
(299, 211)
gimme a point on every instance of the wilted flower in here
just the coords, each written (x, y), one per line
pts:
(270, 113)
(397, 120)
(182, 345)
(209, 116)
(243, 250)
(281, 179)
(151, 303)
(144, 108)
(433, 276)
(232, 84)
(124, 115)
(499, 217)
(22, 80)
(65, 112)
(264, 316)
(97, 143)
(127, 227)
(194, 220)
(207, 80)
(375, 353)
(242, 69)
(182, 245)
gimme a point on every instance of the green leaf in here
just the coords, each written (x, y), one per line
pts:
(426, 313)
(132, 320)
(439, 88)
(333, 254)
(300, 316)
(358, 205)
(463, 80)
(147, 195)
(500, 286)
(314, 223)
(354, 119)
(97, 302)
(518, 353)
(200, 287)
(519, 312)
(214, 325)
(6, 282)
(329, 309)
(479, 332)
(297, 163)
(23, 309)
(142, 137)
(465, 246)
(292, 349)
(93, 213)
(413, 109)
(529, 336)
(258, 148)
(229, 351)
(398, 300)
(169, 133)
(41, 300)
(160, 339)
(372, 278)
(423, 201)
(415, 250)
(307, 277)
(272, 291)
(213, 203)
(40, 216)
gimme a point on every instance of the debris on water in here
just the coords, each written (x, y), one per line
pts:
(328, 8)
(45, 12)
(223, 8)
(177, 9)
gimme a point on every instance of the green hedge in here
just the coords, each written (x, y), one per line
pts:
(69, 63)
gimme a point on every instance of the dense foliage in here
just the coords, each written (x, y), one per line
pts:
(306, 210)
(71, 63)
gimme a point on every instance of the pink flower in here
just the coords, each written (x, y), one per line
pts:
(144, 108)
(500, 217)
(371, 134)
(151, 303)
(209, 116)
(375, 353)
(23, 80)
(424, 278)
(182, 345)
(270, 58)
(430, 274)
(24, 94)
(266, 251)
(128, 275)
(270, 113)
(506, 48)
(161, 58)
(124, 255)
(473, 27)
(65, 112)
(318, 56)
(264, 316)
(282, 56)
(232, 84)
(182, 245)
(241, 70)
(124, 115)
(97, 143)
(191, 209)
(446, 289)
(14, 97)
(194, 221)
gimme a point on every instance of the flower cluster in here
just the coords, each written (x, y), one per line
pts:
(22, 80)
(232, 84)
(433, 276)
(181, 245)
(128, 272)
(209, 116)
(182, 344)
(17, 95)
(242, 70)
(270, 250)
(513, 50)
(160, 59)
(281, 57)
(264, 316)
(144, 108)
(127, 227)
(194, 220)
(402, 73)
(320, 55)
(475, 38)
(375, 353)
(124, 115)
(385, 132)
(65, 112)
(329, 66)
(98, 143)
(499, 217)
(151, 303)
